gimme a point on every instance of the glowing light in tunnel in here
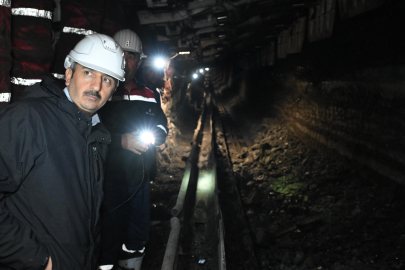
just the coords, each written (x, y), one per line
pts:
(205, 182)
(159, 63)
(147, 137)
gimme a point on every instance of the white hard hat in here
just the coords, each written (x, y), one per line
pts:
(129, 41)
(101, 53)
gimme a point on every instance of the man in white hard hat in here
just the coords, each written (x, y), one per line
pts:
(137, 123)
(52, 149)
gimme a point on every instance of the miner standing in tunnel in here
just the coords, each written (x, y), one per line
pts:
(137, 123)
(52, 149)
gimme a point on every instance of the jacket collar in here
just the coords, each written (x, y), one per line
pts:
(83, 122)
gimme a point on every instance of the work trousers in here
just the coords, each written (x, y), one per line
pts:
(129, 224)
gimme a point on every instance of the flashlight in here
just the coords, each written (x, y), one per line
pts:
(147, 137)
(159, 63)
(195, 76)
(201, 70)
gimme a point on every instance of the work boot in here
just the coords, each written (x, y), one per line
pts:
(106, 267)
(130, 260)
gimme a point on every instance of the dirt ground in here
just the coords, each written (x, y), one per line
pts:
(303, 210)
(307, 211)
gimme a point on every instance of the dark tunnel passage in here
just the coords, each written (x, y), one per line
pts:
(308, 138)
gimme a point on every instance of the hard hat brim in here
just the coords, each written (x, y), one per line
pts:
(103, 70)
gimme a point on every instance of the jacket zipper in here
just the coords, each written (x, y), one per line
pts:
(95, 152)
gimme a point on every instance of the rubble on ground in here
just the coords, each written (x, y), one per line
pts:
(307, 211)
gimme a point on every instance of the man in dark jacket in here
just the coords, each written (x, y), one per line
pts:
(52, 149)
(134, 111)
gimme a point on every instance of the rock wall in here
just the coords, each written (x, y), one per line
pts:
(343, 95)
(363, 122)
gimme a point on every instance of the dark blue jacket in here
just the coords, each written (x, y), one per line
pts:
(51, 172)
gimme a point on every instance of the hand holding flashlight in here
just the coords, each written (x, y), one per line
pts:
(132, 141)
(147, 137)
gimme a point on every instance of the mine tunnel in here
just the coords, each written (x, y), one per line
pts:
(285, 124)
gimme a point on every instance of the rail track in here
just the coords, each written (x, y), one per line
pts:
(202, 235)
(197, 218)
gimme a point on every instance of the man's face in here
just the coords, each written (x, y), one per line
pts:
(132, 62)
(89, 89)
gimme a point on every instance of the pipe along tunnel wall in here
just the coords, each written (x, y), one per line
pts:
(343, 95)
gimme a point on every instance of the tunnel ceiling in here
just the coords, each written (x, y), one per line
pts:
(210, 30)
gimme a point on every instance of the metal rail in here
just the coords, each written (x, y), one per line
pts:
(232, 138)
(178, 208)
(218, 212)
(236, 214)
(201, 174)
